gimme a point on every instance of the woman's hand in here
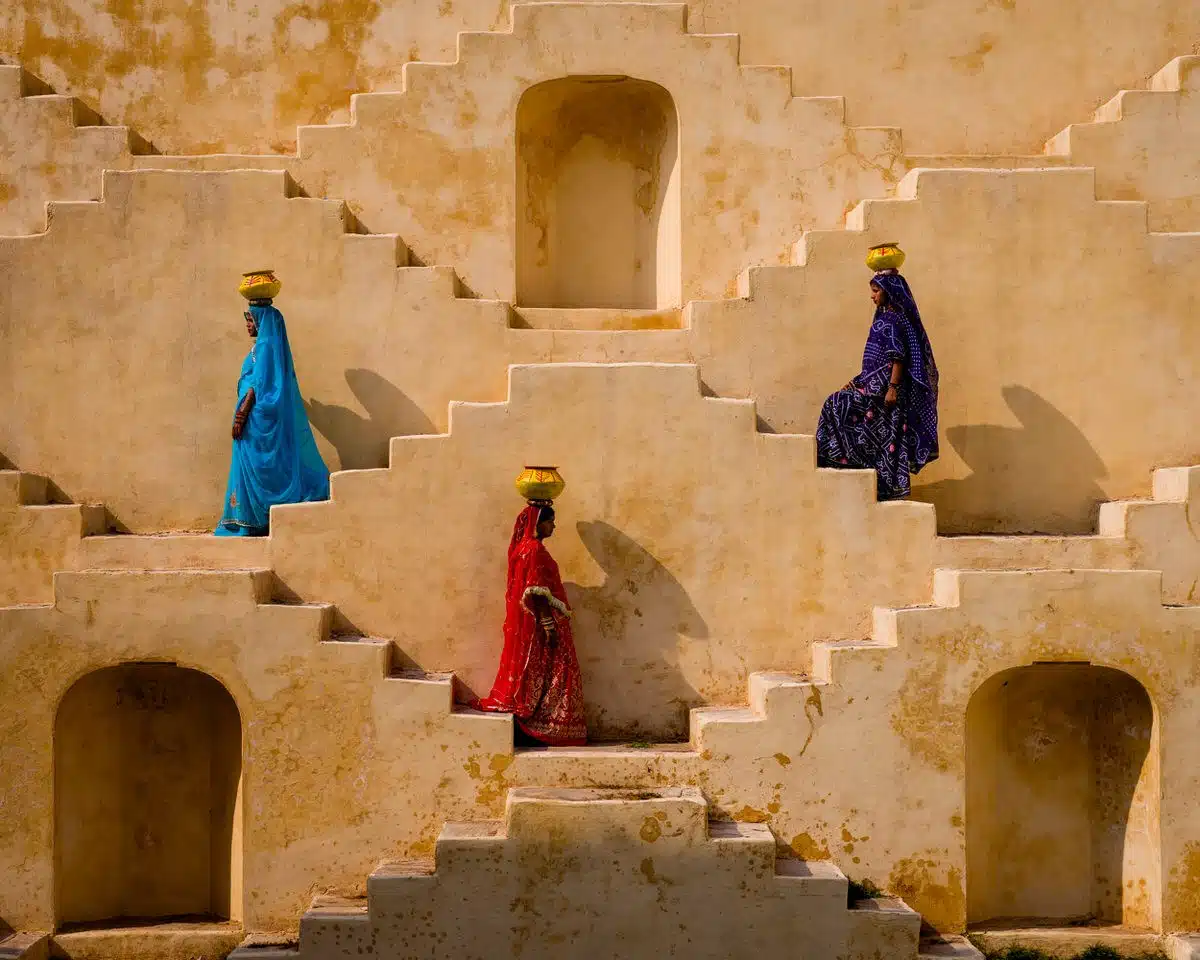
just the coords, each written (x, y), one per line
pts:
(239, 418)
(551, 630)
(891, 398)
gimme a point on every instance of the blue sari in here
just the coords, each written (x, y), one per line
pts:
(276, 458)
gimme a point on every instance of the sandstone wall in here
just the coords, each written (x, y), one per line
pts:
(992, 77)
(865, 763)
(1061, 326)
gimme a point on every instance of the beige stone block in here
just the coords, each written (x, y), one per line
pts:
(608, 873)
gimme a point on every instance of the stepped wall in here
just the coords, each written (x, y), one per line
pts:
(988, 77)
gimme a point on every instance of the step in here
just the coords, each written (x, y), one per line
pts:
(814, 877)
(174, 552)
(25, 946)
(1065, 941)
(336, 926)
(688, 880)
(257, 946)
(986, 162)
(1032, 553)
(952, 947)
(150, 941)
(596, 318)
(22, 489)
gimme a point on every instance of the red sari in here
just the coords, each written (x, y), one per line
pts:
(538, 682)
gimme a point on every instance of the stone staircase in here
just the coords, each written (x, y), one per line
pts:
(403, 139)
(543, 881)
(598, 845)
(1142, 146)
(52, 147)
(40, 537)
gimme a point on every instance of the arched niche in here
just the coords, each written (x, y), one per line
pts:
(1063, 798)
(598, 205)
(147, 792)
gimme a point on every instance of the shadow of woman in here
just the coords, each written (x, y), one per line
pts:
(628, 633)
(362, 442)
(1040, 477)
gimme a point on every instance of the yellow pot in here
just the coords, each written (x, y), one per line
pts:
(260, 285)
(885, 256)
(540, 483)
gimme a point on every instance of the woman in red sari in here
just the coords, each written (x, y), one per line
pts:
(538, 680)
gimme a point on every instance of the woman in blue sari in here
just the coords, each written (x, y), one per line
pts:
(885, 419)
(275, 458)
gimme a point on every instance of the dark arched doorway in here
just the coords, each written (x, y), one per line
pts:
(147, 775)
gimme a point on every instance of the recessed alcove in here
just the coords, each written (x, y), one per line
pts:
(147, 788)
(598, 195)
(1063, 798)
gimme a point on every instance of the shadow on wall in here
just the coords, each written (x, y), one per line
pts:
(362, 442)
(1040, 477)
(628, 630)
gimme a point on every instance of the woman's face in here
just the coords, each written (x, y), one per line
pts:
(251, 326)
(545, 529)
(878, 297)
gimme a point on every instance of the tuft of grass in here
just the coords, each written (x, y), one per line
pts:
(1019, 953)
(1097, 952)
(864, 889)
(640, 744)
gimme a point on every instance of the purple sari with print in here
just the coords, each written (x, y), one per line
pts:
(856, 429)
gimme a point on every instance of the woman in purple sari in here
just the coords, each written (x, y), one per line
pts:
(885, 418)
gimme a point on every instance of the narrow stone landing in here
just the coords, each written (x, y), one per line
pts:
(1066, 941)
(595, 318)
(604, 873)
(149, 941)
(174, 552)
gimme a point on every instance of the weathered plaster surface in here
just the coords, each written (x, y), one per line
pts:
(37, 538)
(1143, 146)
(664, 533)
(1029, 288)
(949, 73)
(544, 880)
(51, 148)
(865, 764)
(704, 553)
(337, 757)
(798, 164)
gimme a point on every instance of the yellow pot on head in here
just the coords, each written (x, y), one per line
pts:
(885, 256)
(260, 285)
(540, 483)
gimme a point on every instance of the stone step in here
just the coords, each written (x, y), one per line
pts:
(265, 951)
(195, 941)
(716, 885)
(22, 489)
(1032, 553)
(955, 948)
(985, 162)
(1067, 942)
(596, 318)
(25, 946)
(174, 552)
